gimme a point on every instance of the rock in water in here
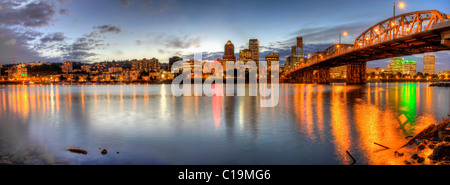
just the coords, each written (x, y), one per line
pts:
(104, 151)
(77, 150)
(441, 152)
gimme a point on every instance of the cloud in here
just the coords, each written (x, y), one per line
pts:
(330, 33)
(158, 7)
(53, 37)
(206, 56)
(64, 1)
(177, 41)
(92, 34)
(108, 28)
(35, 14)
(15, 44)
(64, 11)
(125, 3)
(81, 49)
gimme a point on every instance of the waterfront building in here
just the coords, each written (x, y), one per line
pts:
(409, 67)
(429, 64)
(153, 65)
(253, 45)
(67, 67)
(395, 65)
(445, 73)
(86, 68)
(17, 72)
(134, 64)
(145, 65)
(375, 70)
(115, 69)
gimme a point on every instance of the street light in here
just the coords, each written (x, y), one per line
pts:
(400, 5)
(344, 34)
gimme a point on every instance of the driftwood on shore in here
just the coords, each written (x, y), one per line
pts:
(431, 133)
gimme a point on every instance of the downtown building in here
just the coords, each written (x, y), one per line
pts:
(409, 67)
(429, 64)
(296, 56)
(245, 55)
(228, 55)
(253, 45)
(271, 57)
(395, 65)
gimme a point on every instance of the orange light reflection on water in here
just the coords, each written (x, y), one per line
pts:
(217, 105)
(340, 124)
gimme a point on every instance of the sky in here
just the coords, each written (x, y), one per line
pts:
(106, 30)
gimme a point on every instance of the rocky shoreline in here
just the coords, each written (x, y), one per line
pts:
(429, 146)
(441, 84)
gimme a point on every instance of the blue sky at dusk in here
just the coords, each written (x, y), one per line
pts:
(99, 30)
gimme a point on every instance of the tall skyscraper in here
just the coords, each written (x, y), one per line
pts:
(229, 52)
(299, 46)
(293, 51)
(429, 64)
(228, 55)
(253, 44)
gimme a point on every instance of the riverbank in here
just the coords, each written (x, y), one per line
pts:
(436, 82)
(441, 84)
(429, 146)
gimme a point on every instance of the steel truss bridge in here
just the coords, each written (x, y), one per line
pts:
(405, 34)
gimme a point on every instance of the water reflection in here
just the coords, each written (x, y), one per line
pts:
(339, 122)
(312, 124)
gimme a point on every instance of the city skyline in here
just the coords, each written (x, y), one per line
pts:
(78, 31)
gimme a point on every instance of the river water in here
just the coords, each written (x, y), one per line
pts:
(146, 124)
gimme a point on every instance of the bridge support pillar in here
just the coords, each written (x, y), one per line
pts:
(308, 77)
(295, 79)
(324, 76)
(356, 73)
(301, 77)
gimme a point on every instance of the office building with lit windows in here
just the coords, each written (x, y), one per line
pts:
(429, 64)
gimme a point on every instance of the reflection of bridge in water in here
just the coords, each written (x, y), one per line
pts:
(406, 34)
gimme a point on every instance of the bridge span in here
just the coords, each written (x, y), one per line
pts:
(405, 34)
